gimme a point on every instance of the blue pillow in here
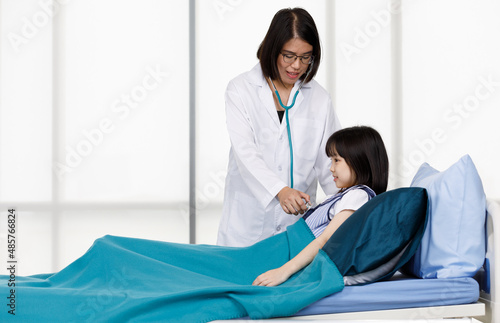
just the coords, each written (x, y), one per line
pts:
(453, 244)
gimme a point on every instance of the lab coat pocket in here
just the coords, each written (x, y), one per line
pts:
(246, 219)
(307, 135)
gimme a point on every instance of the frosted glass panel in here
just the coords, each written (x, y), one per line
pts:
(126, 101)
(95, 95)
(451, 79)
(363, 65)
(25, 103)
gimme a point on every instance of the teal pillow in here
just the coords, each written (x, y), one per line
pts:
(453, 244)
(380, 237)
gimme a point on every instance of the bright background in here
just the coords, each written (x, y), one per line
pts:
(95, 118)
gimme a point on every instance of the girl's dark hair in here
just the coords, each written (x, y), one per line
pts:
(364, 151)
(287, 24)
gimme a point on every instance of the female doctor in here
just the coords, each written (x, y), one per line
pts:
(279, 120)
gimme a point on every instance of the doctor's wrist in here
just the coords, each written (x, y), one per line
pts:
(282, 192)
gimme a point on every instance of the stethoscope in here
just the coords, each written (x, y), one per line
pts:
(286, 117)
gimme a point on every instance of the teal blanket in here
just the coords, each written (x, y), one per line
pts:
(124, 279)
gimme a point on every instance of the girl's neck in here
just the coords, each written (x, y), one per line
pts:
(343, 189)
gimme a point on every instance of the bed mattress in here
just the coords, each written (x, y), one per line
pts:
(399, 292)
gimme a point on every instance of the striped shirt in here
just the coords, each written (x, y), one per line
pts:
(319, 217)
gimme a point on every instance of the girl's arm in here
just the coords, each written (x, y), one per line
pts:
(279, 275)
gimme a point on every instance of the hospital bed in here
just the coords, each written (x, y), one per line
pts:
(408, 299)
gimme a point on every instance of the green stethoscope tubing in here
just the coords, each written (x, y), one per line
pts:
(288, 124)
(286, 116)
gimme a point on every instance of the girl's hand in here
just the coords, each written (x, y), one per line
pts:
(292, 200)
(272, 277)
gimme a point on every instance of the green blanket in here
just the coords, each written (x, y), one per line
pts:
(124, 279)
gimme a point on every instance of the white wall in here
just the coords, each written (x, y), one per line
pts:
(102, 87)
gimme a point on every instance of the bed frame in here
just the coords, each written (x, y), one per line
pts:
(490, 279)
(486, 310)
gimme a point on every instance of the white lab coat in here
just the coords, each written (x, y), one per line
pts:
(259, 159)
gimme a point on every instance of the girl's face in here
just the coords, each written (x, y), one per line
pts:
(343, 175)
(291, 72)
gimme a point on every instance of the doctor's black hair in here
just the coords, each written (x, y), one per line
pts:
(364, 151)
(288, 24)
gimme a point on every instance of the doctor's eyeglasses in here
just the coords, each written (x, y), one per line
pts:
(290, 58)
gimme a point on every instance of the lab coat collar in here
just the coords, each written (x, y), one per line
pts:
(266, 96)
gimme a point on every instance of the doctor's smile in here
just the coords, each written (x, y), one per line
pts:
(294, 60)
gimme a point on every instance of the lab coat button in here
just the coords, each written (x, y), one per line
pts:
(279, 168)
(278, 228)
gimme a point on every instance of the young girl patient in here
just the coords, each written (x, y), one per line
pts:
(126, 279)
(360, 169)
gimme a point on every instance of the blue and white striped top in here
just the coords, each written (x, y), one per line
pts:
(318, 218)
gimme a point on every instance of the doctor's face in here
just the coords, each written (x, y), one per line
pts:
(291, 72)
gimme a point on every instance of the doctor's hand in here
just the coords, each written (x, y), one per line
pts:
(272, 277)
(291, 200)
